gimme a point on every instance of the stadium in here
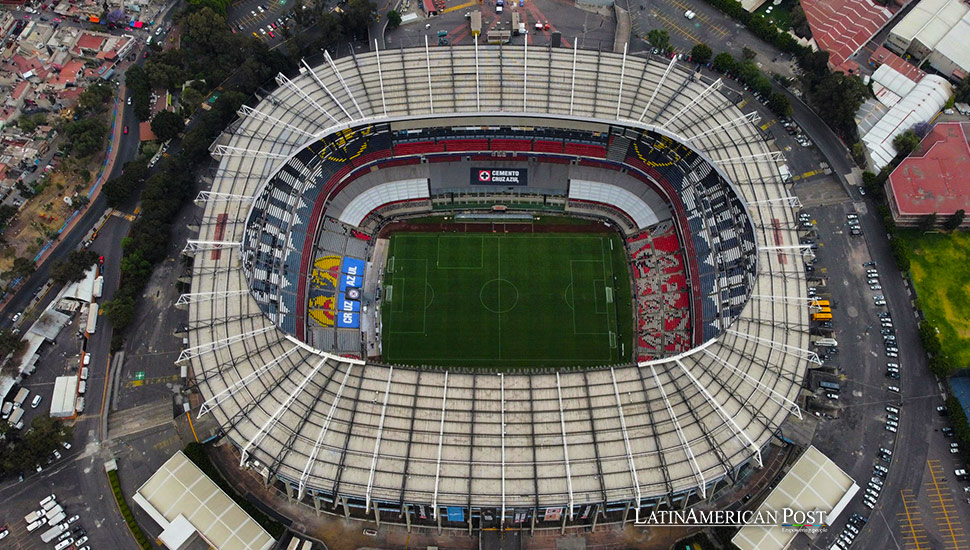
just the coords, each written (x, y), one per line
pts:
(363, 202)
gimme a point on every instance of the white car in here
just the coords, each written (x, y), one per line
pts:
(66, 445)
(894, 410)
(81, 540)
(73, 518)
(890, 428)
(894, 389)
(689, 14)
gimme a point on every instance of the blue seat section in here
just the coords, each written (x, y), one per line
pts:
(278, 228)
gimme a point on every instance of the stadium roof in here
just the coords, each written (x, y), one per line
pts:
(331, 425)
(920, 105)
(813, 483)
(180, 495)
(934, 180)
(842, 27)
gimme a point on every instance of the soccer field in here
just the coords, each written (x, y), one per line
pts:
(506, 300)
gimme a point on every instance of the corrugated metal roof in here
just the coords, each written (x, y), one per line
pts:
(954, 45)
(924, 101)
(924, 15)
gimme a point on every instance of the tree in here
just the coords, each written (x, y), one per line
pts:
(836, 98)
(748, 54)
(900, 253)
(928, 222)
(73, 267)
(799, 22)
(22, 267)
(779, 104)
(357, 16)
(701, 53)
(6, 212)
(167, 125)
(906, 142)
(191, 98)
(725, 63)
(955, 220)
(393, 19)
(658, 38)
(929, 337)
(963, 91)
(922, 129)
(10, 342)
(120, 311)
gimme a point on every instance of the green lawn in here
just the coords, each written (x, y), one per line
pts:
(506, 300)
(939, 266)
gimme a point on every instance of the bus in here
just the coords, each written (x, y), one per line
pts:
(824, 310)
(821, 316)
(820, 303)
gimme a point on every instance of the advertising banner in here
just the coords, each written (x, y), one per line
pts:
(499, 176)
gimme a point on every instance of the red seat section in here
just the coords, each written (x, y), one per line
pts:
(466, 144)
(418, 148)
(511, 145)
(547, 146)
(585, 150)
(663, 302)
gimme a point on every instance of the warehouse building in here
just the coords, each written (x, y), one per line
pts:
(935, 30)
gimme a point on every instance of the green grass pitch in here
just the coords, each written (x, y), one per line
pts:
(505, 301)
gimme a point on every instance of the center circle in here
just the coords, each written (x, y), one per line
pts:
(499, 296)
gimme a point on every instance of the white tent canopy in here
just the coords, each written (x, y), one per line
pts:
(919, 105)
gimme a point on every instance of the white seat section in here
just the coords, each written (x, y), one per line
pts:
(626, 201)
(380, 195)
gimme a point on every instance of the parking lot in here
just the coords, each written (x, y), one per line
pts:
(259, 18)
(882, 425)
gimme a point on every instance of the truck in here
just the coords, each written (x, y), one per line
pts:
(515, 21)
(15, 417)
(49, 505)
(499, 6)
(98, 286)
(7, 409)
(826, 342)
(52, 533)
(476, 23)
(21, 397)
(56, 519)
(785, 173)
(33, 516)
(55, 511)
(92, 324)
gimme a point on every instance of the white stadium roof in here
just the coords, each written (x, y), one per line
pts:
(331, 426)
